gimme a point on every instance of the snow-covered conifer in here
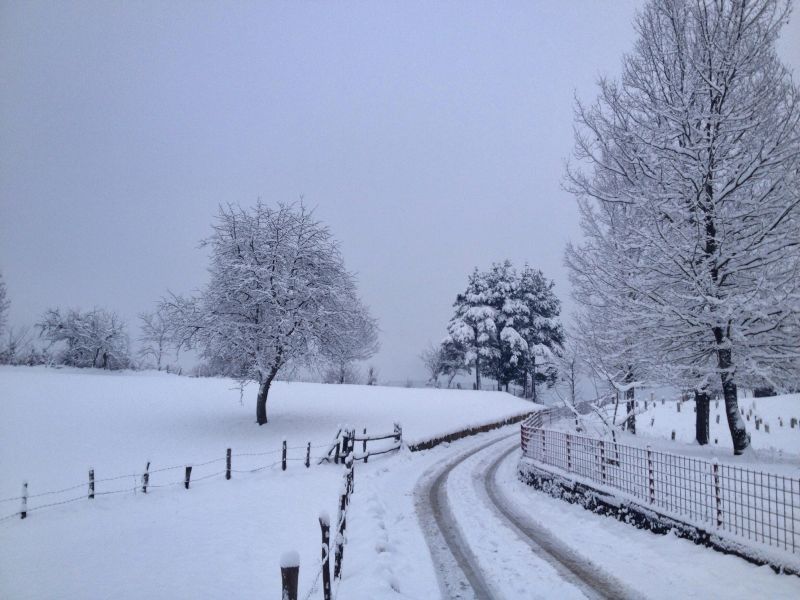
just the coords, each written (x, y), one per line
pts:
(504, 321)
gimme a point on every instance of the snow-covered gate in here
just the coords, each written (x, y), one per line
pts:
(726, 499)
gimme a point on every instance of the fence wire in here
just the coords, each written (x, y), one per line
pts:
(151, 484)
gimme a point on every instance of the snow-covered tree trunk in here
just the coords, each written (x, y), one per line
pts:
(739, 435)
(630, 404)
(702, 402)
(263, 394)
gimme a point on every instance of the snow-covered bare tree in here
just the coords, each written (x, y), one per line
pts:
(433, 360)
(278, 293)
(453, 360)
(154, 336)
(372, 375)
(350, 336)
(692, 198)
(4, 305)
(96, 338)
(340, 373)
(18, 348)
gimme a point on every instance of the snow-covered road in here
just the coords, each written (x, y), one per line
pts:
(491, 536)
(456, 522)
(497, 528)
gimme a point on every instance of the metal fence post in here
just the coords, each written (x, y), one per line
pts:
(569, 454)
(717, 495)
(603, 461)
(544, 447)
(650, 476)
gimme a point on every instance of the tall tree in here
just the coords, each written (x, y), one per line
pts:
(692, 196)
(472, 324)
(504, 321)
(539, 325)
(278, 293)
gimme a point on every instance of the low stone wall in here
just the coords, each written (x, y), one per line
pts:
(641, 517)
(457, 435)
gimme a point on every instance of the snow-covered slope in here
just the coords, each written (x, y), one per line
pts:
(56, 424)
(218, 539)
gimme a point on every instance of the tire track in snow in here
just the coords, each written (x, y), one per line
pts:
(458, 568)
(571, 565)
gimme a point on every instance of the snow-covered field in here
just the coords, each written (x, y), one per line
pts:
(220, 538)
(774, 434)
(776, 450)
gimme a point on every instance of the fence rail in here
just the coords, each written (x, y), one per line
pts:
(752, 505)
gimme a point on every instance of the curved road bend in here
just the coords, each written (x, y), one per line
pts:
(460, 575)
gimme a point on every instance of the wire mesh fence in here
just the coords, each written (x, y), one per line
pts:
(753, 505)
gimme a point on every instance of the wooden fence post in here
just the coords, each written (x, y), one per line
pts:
(283, 457)
(228, 464)
(364, 447)
(91, 484)
(23, 511)
(717, 495)
(325, 526)
(308, 455)
(188, 477)
(290, 575)
(342, 524)
(146, 477)
(650, 476)
(398, 430)
(338, 451)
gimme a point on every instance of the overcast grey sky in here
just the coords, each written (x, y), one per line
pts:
(429, 136)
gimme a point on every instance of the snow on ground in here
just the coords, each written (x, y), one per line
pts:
(57, 423)
(777, 451)
(220, 538)
(386, 556)
(658, 566)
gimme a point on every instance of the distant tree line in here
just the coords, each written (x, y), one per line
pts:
(279, 298)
